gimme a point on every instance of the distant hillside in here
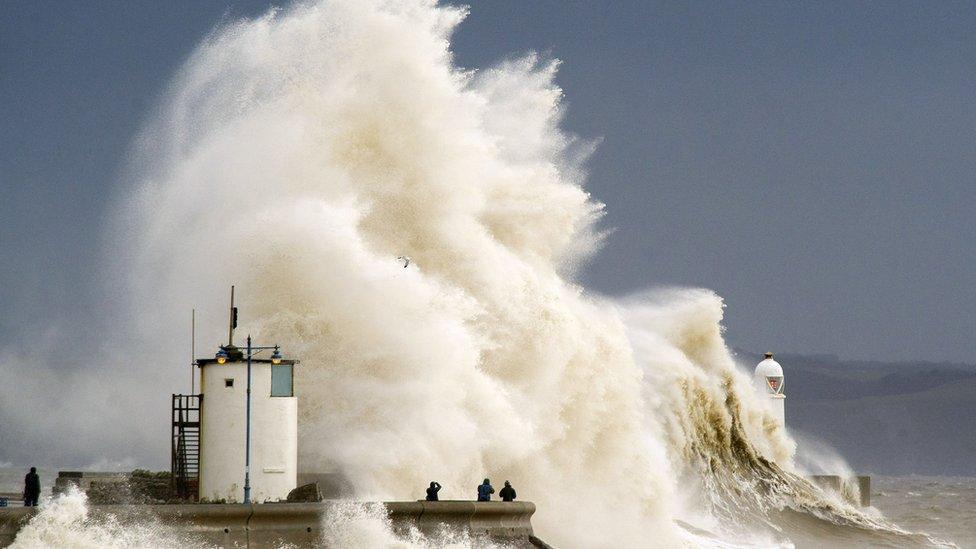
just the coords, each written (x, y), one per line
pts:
(886, 418)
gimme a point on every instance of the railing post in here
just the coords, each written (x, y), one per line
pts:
(247, 435)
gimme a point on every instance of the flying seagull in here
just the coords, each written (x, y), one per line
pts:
(404, 259)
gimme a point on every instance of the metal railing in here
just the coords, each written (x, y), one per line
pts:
(185, 447)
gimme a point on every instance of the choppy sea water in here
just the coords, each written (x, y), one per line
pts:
(942, 507)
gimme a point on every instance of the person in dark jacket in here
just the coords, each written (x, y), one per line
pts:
(507, 493)
(32, 488)
(485, 491)
(432, 491)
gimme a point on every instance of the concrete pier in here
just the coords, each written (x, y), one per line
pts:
(273, 525)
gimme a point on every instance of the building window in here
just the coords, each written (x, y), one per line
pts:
(228, 382)
(281, 381)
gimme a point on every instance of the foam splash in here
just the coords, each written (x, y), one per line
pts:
(355, 524)
(65, 522)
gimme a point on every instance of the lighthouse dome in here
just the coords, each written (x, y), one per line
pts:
(769, 375)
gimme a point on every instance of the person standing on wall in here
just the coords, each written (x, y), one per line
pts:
(32, 488)
(507, 493)
(485, 491)
(432, 491)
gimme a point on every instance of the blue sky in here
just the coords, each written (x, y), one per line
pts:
(814, 163)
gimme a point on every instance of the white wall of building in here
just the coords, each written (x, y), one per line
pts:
(274, 435)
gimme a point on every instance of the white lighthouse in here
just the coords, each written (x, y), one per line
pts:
(223, 426)
(770, 382)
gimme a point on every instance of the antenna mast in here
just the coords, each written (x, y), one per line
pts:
(233, 319)
(193, 349)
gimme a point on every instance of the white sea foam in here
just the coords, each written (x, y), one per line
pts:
(356, 524)
(64, 522)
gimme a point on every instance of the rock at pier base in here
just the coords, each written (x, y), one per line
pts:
(307, 493)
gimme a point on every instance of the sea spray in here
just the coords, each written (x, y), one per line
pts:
(301, 153)
(298, 155)
(66, 522)
(358, 524)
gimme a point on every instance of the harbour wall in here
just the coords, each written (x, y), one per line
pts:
(273, 525)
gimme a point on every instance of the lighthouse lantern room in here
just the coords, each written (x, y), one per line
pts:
(770, 382)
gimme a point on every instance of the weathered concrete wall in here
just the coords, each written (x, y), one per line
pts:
(495, 519)
(84, 479)
(272, 525)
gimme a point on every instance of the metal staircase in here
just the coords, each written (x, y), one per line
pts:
(185, 444)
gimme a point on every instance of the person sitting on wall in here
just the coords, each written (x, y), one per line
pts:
(485, 491)
(432, 491)
(507, 493)
(32, 488)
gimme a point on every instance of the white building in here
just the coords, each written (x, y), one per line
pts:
(274, 429)
(770, 382)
